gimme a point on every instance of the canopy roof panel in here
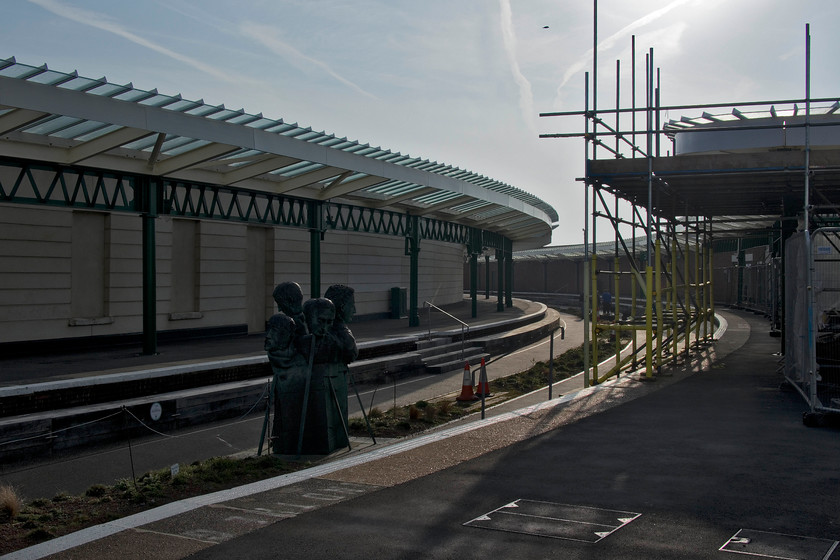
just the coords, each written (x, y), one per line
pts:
(65, 118)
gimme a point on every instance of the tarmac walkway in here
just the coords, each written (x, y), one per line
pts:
(709, 459)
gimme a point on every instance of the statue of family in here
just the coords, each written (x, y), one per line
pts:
(309, 346)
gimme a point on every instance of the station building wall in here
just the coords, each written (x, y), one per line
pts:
(67, 274)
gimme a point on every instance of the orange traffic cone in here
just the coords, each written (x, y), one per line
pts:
(483, 389)
(467, 393)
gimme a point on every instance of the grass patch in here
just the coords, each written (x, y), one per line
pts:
(42, 519)
(10, 503)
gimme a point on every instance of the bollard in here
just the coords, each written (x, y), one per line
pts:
(483, 389)
(551, 366)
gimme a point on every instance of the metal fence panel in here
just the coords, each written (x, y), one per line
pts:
(812, 341)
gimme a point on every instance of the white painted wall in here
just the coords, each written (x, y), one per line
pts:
(37, 268)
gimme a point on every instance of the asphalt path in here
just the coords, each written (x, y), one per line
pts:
(713, 463)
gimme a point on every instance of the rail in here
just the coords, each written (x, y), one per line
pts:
(465, 328)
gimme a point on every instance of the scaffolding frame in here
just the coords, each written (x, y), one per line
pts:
(681, 220)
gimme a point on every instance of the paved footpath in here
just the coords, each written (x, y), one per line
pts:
(709, 459)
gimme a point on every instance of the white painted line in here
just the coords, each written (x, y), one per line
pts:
(779, 546)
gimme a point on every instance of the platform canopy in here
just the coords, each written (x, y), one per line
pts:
(67, 119)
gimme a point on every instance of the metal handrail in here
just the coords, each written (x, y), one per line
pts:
(429, 305)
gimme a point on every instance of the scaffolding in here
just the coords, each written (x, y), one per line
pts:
(689, 206)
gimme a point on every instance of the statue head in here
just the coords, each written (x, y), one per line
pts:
(280, 332)
(289, 298)
(320, 314)
(343, 298)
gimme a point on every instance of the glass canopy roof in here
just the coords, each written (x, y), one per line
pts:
(457, 195)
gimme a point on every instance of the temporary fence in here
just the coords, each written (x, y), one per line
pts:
(812, 323)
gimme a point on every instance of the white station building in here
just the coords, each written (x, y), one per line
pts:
(128, 215)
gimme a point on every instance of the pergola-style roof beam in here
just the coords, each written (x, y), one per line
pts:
(513, 225)
(156, 150)
(443, 205)
(104, 143)
(403, 197)
(477, 216)
(337, 189)
(265, 165)
(292, 183)
(18, 118)
(193, 157)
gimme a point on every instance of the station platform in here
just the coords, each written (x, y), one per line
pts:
(48, 367)
(63, 403)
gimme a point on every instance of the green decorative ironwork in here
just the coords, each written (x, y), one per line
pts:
(346, 217)
(438, 230)
(217, 202)
(24, 182)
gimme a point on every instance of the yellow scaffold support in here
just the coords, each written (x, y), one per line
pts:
(673, 311)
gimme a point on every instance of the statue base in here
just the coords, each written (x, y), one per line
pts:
(323, 430)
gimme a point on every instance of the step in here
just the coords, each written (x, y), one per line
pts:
(386, 368)
(437, 342)
(431, 353)
(453, 355)
(474, 359)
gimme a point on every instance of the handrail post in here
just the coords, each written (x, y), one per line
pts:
(429, 315)
(464, 325)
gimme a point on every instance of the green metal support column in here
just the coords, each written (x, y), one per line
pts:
(500, 265)
(508, 273)
(474, 283)
(474, 248)
(487, 276)
(315, 235)
(149, 196)
(742, 261)
(412, 249)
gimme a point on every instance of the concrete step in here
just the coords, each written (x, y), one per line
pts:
(447, 348)
(426, 344)
(451, 355)
(473, 358)
(384, 368)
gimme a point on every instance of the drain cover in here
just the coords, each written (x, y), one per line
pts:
(777, 545)
(558, 521)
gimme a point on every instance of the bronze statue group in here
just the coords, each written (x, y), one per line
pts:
(309, 346)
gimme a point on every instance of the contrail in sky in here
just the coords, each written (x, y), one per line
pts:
(267, 36)
(105, 23)
(526, 95)
(610, 41)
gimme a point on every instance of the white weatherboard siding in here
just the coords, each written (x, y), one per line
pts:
(35, 251)
(69, 274)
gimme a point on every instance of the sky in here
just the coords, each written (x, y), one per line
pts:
(460, 82)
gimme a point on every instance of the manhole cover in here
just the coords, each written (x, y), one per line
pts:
(557, 521)
(777, 545)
